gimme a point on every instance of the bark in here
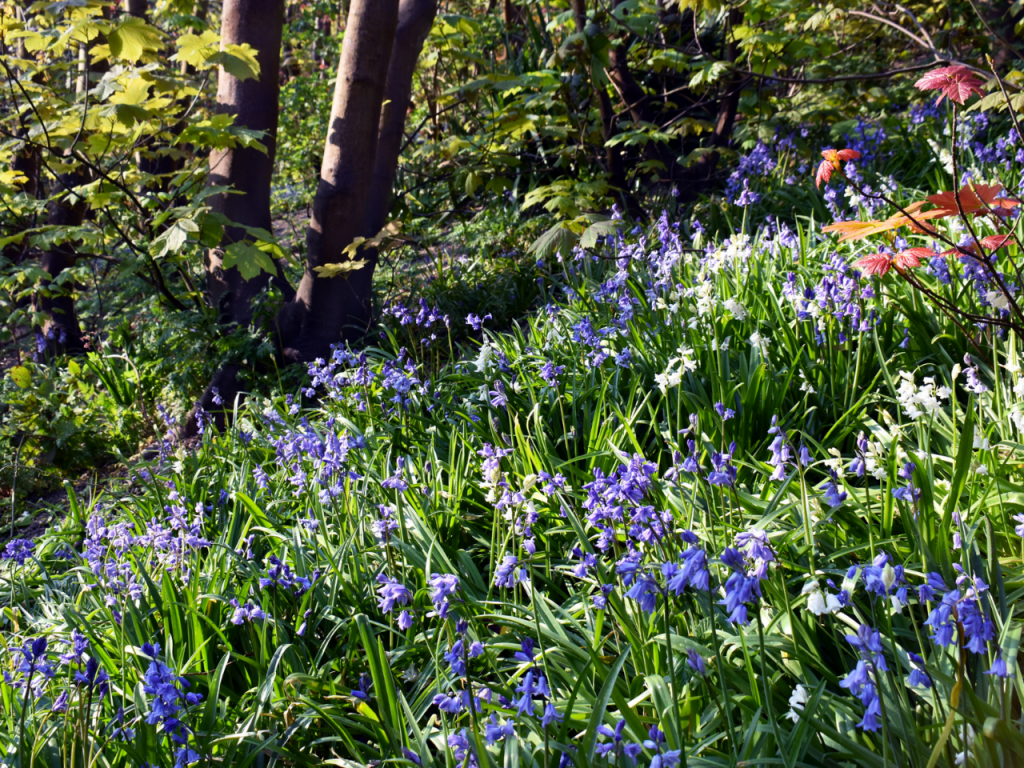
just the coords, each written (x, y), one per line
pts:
(249, 171)
(699, 176)
(415, 18)
(327, 310)
(138, 8)
(512, 18)
(61, 329)
(613, 157)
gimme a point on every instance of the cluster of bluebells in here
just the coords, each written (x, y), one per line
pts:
(425, 320)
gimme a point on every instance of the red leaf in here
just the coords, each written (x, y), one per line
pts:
(995, 242)
(874, 264)
(824, 173)
(848, 154)
(957, 82)
(911, 258)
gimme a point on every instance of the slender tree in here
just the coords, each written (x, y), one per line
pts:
(327, 309)
(415, 18)
(246, 170)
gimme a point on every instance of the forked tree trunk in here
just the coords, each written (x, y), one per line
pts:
(254, 103)
(415, 18)
(328, 309)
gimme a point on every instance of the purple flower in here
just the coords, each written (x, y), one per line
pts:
(391, 592)
(508, 574)
(18, 550)
(498, 397)
(444, 586)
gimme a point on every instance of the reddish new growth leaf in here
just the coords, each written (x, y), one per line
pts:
(857, 230)
(874, 264)
(832, 162)
(880, 263)
(995, 242)
(911, 257)
(957, 82)
(981, 199)
(978, 247)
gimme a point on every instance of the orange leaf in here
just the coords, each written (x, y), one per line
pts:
(971, 202)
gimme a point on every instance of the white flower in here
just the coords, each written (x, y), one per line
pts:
(888, 576)
(962, 757)
(897, 605)
(925, 400)
(736, 309)
(705, 300)
(820, 603)
(483, 360)
(997, 299)
(797, 700)
(1018, 388)
(760, 343)
(806, 385)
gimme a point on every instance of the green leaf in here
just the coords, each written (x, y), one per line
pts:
(601, 705)
(598, 229)
(197, 49)
(132, 39)
(558, 239)
(238, 60)
(21, 376)
(248, 260)
(342, 268)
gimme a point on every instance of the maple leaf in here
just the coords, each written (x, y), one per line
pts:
(977, 200)
(833, 158)
(957, 82)
(874, 264)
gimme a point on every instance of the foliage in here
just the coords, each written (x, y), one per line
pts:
(711, 505)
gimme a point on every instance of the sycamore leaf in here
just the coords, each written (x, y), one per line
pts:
(978, 199)
(132, 39)
(21, 376)
(343, 268)
(248, 259)
(995, 242)
(558, 239)
(173, 239)
(708, 74)
(857, 230)
(196, 49)
(238, 60)
(598, 229)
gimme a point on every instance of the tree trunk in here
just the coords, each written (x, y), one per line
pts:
(255, 104)
(415, 18)
(698, 177)
(138, 8)
(613, 157)
(61, 329)
(328, 309)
